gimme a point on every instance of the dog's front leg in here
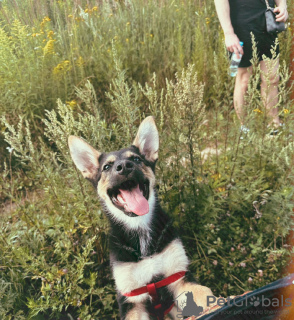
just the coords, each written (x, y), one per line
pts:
(131, 311)
(138, 312)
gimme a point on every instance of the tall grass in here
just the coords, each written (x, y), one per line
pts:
(50, 47)
(95, 69)
(233, 207)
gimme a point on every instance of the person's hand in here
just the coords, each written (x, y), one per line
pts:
(233, 44)
(282, 14)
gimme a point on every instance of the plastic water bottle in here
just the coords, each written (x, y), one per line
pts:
(235, 63)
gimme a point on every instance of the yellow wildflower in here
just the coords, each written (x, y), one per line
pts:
(286, 111)
(257, 110)
(49, 47)
(80, 62)
(62, 68)
(42, 24)
(128, 23)
(95, 8)
(70, 16)
(127, 40)
(71, 104)
(58, 68)
(50, 34)
(151, 35)
(79, 19)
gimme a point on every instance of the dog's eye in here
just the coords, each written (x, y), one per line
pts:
(106, 167)
(137, 159)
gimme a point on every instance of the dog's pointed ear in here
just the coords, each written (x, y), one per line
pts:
(147, 140)
(84, 156)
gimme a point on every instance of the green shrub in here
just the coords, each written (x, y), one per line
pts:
(230, 198)
(233, 209)
(49, 47)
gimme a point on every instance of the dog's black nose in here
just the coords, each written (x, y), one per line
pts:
(124, 167)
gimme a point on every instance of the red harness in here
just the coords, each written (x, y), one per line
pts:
(158, 307)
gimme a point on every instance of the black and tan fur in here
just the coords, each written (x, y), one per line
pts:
(143, 249)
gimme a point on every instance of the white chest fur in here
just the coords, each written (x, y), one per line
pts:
(132, 275)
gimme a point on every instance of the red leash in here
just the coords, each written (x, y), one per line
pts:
(151, 289)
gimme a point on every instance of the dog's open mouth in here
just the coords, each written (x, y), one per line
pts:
(132, 197)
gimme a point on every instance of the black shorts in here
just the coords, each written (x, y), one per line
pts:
(265, 43)
(248, 16)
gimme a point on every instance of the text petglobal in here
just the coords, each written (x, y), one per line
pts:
(250, 301)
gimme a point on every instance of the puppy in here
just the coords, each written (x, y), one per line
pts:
(148, 260)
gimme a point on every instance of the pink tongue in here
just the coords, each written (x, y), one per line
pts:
(135, 201)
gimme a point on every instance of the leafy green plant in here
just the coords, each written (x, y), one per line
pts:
(230, 198)
(233, 207)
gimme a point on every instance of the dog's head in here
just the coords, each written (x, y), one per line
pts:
(124, 179)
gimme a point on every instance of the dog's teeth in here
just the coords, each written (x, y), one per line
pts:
(120, 198)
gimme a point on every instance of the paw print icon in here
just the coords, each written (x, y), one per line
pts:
(255, 301)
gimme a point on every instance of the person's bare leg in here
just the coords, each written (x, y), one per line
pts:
(269, 89)
(241, 86)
